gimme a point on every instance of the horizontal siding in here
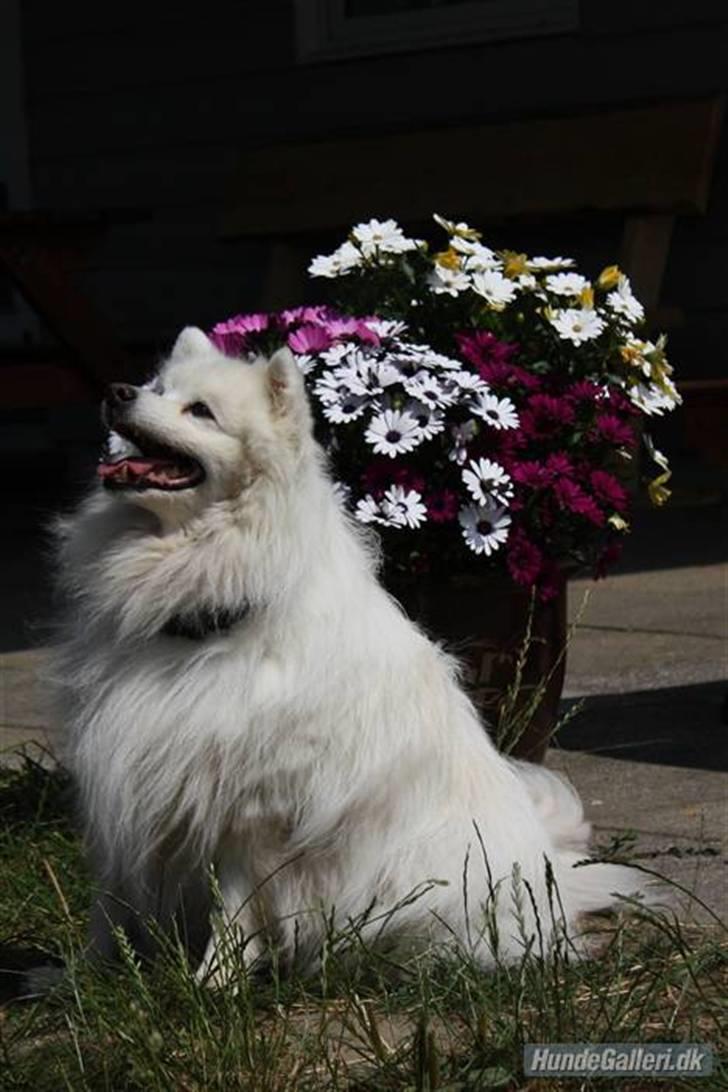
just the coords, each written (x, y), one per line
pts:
(384, 93)
(164, 179)
(147, 116)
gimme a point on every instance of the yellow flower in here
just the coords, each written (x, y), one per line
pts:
(631, 355)
(586, 296)
(514, 264)
(609, 278)
(449, 258)
(618, 523)
(657, 491)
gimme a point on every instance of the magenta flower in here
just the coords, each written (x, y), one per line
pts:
(317, 314)
(310, 339)
(530, 473)
(442, 507)
(608, 490)
(609, 428)
(232, 336)
(558, 465)
(543, 414)
(585, 391)
(485, 348)
(344, 328)
(244, 324)
(524, 559)
(574, 499)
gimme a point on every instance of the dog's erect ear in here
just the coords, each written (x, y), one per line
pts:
(285, 383)
(192, 340)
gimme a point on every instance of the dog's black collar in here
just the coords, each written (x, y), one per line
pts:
(204, 622)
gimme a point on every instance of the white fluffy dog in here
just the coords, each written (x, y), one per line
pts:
(239, 693)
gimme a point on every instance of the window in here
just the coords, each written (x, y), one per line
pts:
(344, 28)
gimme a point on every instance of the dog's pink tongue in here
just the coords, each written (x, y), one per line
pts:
(127, 468)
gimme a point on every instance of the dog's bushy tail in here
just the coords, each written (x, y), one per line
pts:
(585, 886)
(558, 805)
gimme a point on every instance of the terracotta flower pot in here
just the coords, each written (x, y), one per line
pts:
(484, 621)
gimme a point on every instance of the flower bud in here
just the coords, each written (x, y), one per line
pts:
(609, 278)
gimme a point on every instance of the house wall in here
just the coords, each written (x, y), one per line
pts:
(145, 115)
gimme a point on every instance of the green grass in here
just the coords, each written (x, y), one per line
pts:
(361, 1024)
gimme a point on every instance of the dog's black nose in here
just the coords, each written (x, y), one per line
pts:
(121, 392)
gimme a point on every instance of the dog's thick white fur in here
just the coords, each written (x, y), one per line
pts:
(320, 754)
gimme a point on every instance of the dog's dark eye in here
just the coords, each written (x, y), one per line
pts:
(200, 409)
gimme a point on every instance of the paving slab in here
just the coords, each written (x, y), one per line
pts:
(679, 817)
(23, 718)
(647, 630)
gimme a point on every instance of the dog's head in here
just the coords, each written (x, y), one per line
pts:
(205, 429)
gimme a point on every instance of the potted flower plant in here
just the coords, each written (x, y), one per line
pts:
(482, 409)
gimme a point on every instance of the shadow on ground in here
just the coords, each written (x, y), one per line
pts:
(675, 726)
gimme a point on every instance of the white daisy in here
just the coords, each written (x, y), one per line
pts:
(494, 287)
(347, 409)
(499, 413)
(465, 383)
(477, 258)
(386, 373)
(485, 527)
(338, 264)
(566, 284)
(367, 511)
(334, 386)
(487, 481)
(393, 433)
(545, 264)
(339, 352)
(382, 235)
(435, 360)
(447, 282)
(429, 419)
(404, 507)
(526, 282)
(425, 388)
(460, 229)
(386, 328)
(461, 435)
(651, 400)
(624, 302)
(577, 324)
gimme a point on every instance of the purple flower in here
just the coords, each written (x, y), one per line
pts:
(232, 337)
(559, 465)
(310, 339)
(530, 473)
(611, 430)
(585, 391)
(346, 328)
(573, 498)
(544, 414)
(608, 490)
(317, 314)
(485, 348)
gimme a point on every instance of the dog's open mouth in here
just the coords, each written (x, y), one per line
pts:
(154, 467)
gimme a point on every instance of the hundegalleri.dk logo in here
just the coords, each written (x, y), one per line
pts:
(627, 1059)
